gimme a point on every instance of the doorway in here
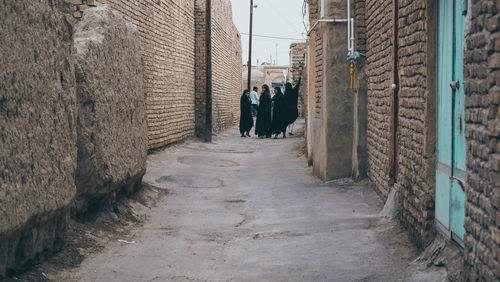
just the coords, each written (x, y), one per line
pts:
(451, 151)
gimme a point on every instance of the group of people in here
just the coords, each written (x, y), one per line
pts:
(274, 114)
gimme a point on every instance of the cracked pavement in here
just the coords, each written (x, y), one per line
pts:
(247, 209)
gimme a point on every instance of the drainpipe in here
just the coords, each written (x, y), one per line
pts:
(325, 21)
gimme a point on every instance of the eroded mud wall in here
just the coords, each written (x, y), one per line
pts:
(37, 128)
(111, 95)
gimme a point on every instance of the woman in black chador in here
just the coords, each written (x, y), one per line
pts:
(280, 113)
(246, 119)
(292, 99)
(263, 125)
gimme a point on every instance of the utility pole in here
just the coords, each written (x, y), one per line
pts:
(208, 98)
(249, 64)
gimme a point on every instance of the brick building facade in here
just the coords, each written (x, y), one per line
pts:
(401, 133)
(399, 44)
(175, 58)
(482, 115)
(298, 53)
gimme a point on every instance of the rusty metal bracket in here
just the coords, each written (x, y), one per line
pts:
(459, 181)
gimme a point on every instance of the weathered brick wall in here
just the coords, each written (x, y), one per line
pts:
(226, 67)
(416, 113)
(200, 69)
(314, 84)
(416, 121)
(360, 25)
(482, 115)
(176, 64)
(169, 64)
(379, 75)
(168, 44)
(298, 52)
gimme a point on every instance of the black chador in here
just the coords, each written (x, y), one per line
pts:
(292, 99)
(246, 119)
(263, 125)
(280, 113)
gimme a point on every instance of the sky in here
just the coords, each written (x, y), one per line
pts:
(275, 18)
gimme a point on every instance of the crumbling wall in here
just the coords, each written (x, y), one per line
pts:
(167, 35)
(37, 126)
(482, 131)
(111, 96)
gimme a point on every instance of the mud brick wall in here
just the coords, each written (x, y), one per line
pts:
(200, 68)
(416, 114)
(314, 84)
(298, 52)
(379, 75)
(37, 126)
(360, 25)
(482, 114)
(173, 38)
(111, 124)
(226, 67)
(416, 120)
(167, 34)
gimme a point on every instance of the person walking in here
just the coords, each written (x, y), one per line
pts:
(254, 95)
(263, 124)
(246, 119)
(292, 100)
(280, 113)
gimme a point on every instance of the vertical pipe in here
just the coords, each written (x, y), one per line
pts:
(395, 86)
(352, 36)
(249, 64)
(349, 27)
(208, 34)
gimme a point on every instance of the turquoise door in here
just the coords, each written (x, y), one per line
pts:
(450, 167)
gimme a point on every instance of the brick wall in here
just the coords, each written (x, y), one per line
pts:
(379, 75)
(226, 66)
(482, 114)
(175, 63)
(416, 121)
(416, 107)
(200, 69)
(168, 44)
(315, 81)
(298, 52)
(316, 59)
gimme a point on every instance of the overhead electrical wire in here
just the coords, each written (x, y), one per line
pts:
(278, 12)
(273, 37)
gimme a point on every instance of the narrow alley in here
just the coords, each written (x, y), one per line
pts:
(250, 210)
(124, 149)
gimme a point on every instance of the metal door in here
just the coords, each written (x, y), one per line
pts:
(450, 168)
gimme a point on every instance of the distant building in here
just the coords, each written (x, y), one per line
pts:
(274, 76)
